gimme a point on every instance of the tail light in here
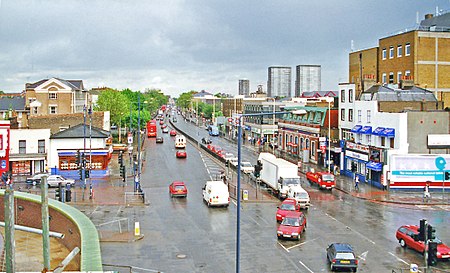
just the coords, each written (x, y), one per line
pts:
(356, 261)
(210, 200)
(333, 261)
(217, 197)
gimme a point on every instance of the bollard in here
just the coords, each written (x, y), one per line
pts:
(137, 230)
(414, 268)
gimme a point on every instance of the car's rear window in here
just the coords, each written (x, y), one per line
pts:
(179, 187)
(287, 207)
(345, 255)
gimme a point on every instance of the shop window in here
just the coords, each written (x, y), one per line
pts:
(22, 146)
(41, 146)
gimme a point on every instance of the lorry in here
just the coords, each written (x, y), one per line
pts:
(324, 180)
(280, 175)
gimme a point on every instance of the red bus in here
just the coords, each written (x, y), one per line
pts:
(151, 128)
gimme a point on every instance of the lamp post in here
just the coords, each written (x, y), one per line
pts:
(238, 187)
(273, 122)
(329, 100)
(137, 179)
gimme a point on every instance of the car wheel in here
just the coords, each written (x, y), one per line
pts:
(402, 243)
(171, 195)
(332, 267)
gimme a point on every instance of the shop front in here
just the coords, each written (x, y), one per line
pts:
(356, 157)
(96, 161)
(27, 164)
(375, 167)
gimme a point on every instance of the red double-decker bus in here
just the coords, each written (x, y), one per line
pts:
(151, 128)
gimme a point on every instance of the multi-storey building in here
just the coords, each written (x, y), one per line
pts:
(261, 126)
(384, 121)
(55, 96)
(308, 79)
(421, 54)
(279, 81)
(244, 87)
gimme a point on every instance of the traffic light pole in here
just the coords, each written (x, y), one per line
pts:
(425, 252)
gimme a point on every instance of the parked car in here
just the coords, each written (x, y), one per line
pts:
(341, 256)
(54, 180)
(288, 205)
(165, 130)
(234, 161)
(161, 122)
(228, 156)
(36, 179)
(178, 189)
(159, 139)
(173, 133)
(164, 126)
(247, 167)
(405, 236)
(206, 140)
(181, 154)
(292, 226)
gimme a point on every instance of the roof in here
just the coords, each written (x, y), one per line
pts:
(438, 21)
(74, 84)
(390, 93)
(14, 103)
(342, 247)
(202, 94)
(78, 131)
(318, 94)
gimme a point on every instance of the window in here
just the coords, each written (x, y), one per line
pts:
(391, 143)
(350, 114)
(313, 148)
(52, 109)
(22, 146)
(35, 110)
(343, 114)
(52, 96)
(41, 146)
(342, 95)
(407, 49)
(383, 54)
(391, 77)
(368, 116)
(368, 139)
(399, 76)
(383, 141)
(359, 115)
(350, 95)
(407, 73)
(399, 51)
(383, 78)
(391, 52)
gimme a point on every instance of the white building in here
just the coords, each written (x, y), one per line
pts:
(307, 79)
(279, 81)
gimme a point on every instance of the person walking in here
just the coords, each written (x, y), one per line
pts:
(426, 193)
(356, 182)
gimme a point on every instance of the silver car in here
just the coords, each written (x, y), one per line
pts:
(54, 180)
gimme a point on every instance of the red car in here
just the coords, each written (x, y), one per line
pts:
(405, 234)
(173, 133)
(161, 122)
(163, 126)
(178, 189)
(287, 206)
(181, 154)
(292, 226)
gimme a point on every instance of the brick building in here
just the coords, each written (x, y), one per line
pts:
(421, 54)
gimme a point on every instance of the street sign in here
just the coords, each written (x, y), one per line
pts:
(130, 138)
(3, 164)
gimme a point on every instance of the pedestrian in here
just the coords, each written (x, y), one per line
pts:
(426, 193)
(356, 182)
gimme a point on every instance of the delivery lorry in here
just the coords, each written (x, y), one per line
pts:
(280, 175)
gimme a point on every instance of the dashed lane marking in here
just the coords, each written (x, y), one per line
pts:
(307, 268)
(399, 259)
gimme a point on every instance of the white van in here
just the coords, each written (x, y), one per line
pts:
(215, 193)
(301, 195)
(180, 142)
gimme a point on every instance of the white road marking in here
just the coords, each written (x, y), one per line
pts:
(350, 228)
(234, 202)
(307, 268)
(287, 250)
(363, 255)
(301, 243)
(254, 220)
(399, 259)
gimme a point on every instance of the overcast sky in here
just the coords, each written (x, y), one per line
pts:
(182, 45)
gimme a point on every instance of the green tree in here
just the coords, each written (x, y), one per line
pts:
(185, 99)
(115, 102)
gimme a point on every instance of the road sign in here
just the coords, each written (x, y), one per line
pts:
(3, 164)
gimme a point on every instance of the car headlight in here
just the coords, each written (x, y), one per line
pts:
(280, 232)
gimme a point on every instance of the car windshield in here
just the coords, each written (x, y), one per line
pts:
(291, 181)
(290, 222)
(287, 207)
(246, 164)
(302, 195)
(328, 177)
(345, 255)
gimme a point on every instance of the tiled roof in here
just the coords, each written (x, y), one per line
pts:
(74, 84)
(14, 103)
(78, 131)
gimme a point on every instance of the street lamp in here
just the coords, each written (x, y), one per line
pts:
(329, 100)
(238, 187)
(137, 180)
(273, 122)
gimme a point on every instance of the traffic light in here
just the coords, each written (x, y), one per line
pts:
(78, 159)
(421, 235)
(447, 175)
(432, 253)
(80, 173)
(86, 173)
(58, 192)
(122, 171)
(120, 159)
(431, 232)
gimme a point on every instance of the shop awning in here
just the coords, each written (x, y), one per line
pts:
(366, 130)
(376, 166)
(356, 129)
(388, 132)
(378, 131)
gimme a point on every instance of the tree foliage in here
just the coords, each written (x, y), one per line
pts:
(185, 99)
(113, 101)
